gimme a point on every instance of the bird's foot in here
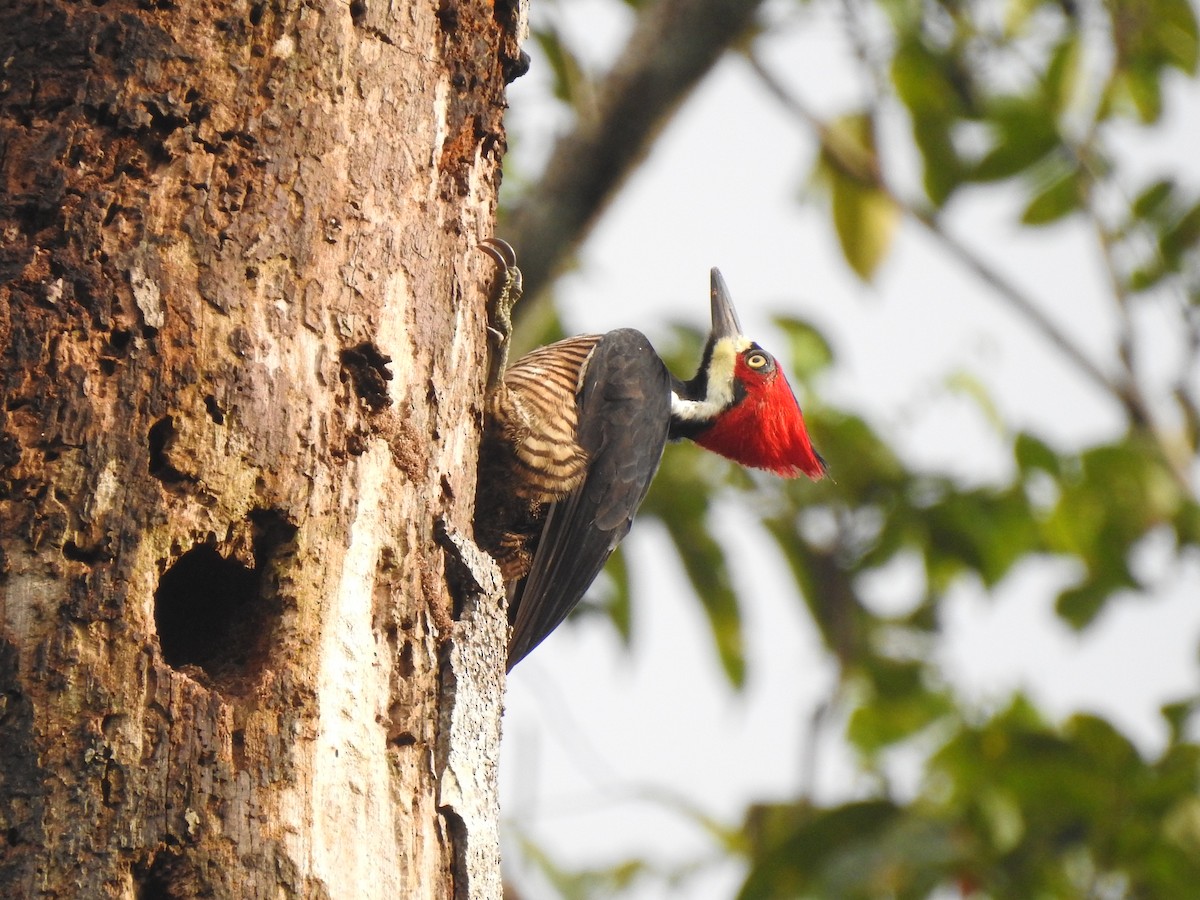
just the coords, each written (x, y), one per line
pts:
(501, 307)
(510, 289)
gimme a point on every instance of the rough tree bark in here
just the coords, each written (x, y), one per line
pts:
(246, 647)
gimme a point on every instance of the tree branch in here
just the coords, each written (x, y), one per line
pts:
(674, 45)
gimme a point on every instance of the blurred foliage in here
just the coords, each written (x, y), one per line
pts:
(1025, 95)
(1010, 808)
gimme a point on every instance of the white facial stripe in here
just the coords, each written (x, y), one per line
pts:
(693, 410)
(720, 383)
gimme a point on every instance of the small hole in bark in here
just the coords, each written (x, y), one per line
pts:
(405, 664)
(214, 410)
(86, 555)
(256, 13)
(367, 368)
(119, 340)
(159, 439)
(358, 9)
(238, 745)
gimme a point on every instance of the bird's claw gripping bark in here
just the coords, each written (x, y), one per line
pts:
(501, 307)
(510, 286)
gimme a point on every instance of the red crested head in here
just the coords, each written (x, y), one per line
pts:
(741, 405)
(764, 428)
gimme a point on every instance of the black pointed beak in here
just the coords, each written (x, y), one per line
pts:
(724, 317)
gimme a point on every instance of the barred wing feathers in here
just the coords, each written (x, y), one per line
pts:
(624, 406)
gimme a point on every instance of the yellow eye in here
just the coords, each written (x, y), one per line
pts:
(757, 360)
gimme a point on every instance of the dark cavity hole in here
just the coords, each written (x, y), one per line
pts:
(214, 410)
(447, 15)
(119, 340)
(168, 877)
(211, 614)
(86, 555)
(358, 11)
(406, 664)
(367, 368)
(159, 439)
(238, 742)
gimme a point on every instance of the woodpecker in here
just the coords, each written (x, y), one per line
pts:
(574, 433)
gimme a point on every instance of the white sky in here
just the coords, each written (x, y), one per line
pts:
(596, 740)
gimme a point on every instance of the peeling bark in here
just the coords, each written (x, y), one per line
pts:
(245, 649)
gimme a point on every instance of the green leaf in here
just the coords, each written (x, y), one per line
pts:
(931, 85)
(827, 590)
(1179, 715)
(945, 171)
(1140, 90)
(864, 215)
(865, 219)
(1063, 73)
(1032, 453)
(1024, 131)
(1060, 197)
(1155, 199)
(1187, 523)
(1017, 14)
(1183, 236)
(929, 82)
(1177, 34)
(965, 383)
(897, 705)
(982, 531)
(1079, 606)
(1147, 277)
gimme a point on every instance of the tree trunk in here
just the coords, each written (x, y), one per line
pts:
(247, 648)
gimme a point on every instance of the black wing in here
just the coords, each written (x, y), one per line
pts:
(624, 413)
